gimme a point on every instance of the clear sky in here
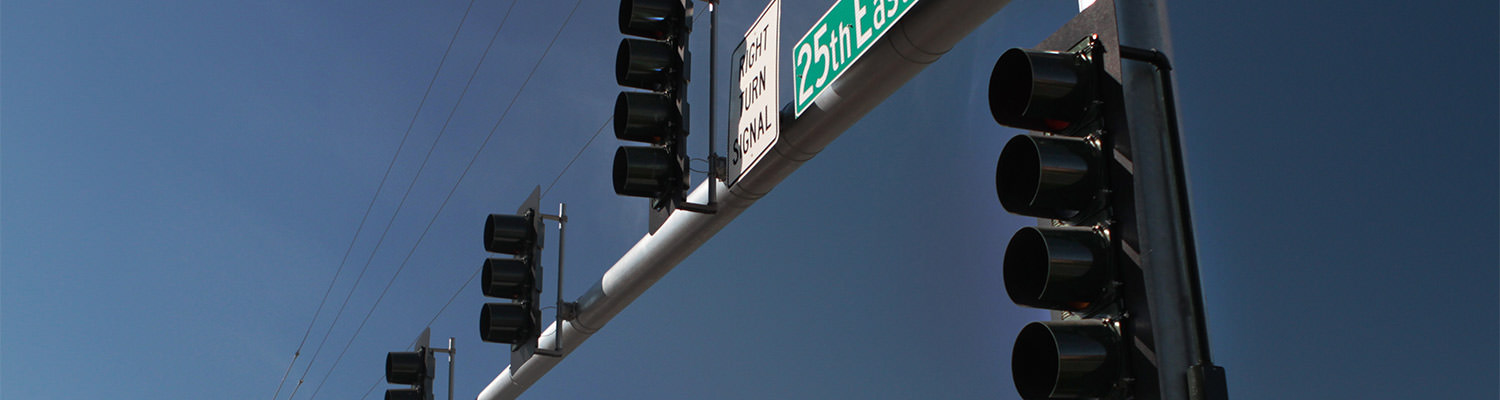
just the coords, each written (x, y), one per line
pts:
(180, 181)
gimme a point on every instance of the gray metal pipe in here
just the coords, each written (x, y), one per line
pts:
(928, 31)
(1173, 288)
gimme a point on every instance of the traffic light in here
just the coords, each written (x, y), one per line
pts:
(516, 278)
(413, 368)
(1094, 171)
(656, 62)
(1059, 173)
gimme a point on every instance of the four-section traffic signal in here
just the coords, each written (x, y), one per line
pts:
(656, 62)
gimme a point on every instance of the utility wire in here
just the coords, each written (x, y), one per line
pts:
(575, 156)
(429, 323)
(466, 284)
(461, 288)
(319, 311)
(470, 280)
(451, 298)
(402, 203)
(451, 191)
(372, 388)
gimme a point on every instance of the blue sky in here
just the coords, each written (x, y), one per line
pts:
(179, 182)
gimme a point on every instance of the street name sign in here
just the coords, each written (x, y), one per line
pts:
(754, 108)
(837, 40)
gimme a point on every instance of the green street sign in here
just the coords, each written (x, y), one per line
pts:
(838, 39)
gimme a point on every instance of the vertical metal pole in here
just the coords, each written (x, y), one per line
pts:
(452, 351)
(557, 313)
(714, 170)
(713, 99)
(1168, 254)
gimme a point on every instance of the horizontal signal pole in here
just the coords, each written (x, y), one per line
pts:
(928, 31)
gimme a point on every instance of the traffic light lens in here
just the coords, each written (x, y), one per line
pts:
(506, 323)
(1040, 90)
(1056, 268)
(1047, 176)
(645, 117)
(405, 367)
(644, 171)
(1010, 87)
(1065, 360)
(1018, 174)
(646, 64)
(507, 278)
(1033, 363)
(654, 19)
(509, 234)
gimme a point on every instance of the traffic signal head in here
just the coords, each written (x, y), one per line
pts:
(507, 322)
(1054, 177)
(1112, 254)
(510, 234)
(646, 171)
(657, 61)
(1066, 359)
(1058, 175)
(1041, 90)
(517, 279)
(1061, 173)
(655, 19)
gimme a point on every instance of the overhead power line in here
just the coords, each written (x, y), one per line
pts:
(397, 212)
(575, 155)
(383, 177)
(452, 190)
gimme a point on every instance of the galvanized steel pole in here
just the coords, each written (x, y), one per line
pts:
(1184, 366)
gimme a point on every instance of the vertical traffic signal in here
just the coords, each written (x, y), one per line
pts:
(1057, 174)
(415, 368)
(656, 63)
(516, 278)
(1087, 171)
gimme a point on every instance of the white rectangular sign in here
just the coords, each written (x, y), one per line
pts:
(754, 116)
